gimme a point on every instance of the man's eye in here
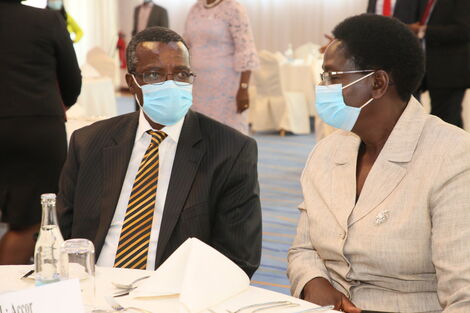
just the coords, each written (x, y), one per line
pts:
(183, 75)
(154, 75)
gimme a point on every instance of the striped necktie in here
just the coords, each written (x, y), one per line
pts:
(134, 240)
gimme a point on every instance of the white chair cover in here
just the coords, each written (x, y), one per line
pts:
(274, 108)
(102, 62)
(307, 51)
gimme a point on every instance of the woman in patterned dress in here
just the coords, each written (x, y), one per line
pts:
(223, 54)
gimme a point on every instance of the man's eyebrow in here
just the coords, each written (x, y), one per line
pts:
(154, 68)
(181, 67)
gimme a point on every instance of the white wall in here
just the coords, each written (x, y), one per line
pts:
(275, 23)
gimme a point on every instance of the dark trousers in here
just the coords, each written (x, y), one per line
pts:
(446, 103)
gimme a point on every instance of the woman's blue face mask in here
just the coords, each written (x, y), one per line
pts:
(332, 109)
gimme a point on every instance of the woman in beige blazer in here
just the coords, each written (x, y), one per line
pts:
(385, 222)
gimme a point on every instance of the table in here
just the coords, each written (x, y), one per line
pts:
(10, 281)
(97, 99)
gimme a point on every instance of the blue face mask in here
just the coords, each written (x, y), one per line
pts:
(166, 103)
(55, 5)
(331, 108)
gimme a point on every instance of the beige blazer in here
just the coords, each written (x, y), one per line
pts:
(405, 245)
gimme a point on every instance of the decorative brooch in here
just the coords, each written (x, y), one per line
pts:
(382, 217)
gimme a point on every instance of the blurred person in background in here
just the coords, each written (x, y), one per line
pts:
(223, 54)
(40, 74)
(444, 27)
(148, 14)
(407, 11)
(72, 26)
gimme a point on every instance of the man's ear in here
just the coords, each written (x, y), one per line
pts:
(131, 84)
(380, 84)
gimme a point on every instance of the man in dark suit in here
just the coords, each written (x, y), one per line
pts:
(194, 176)
(407, 11)
(444, 27)
(39, 77)
(148, 14)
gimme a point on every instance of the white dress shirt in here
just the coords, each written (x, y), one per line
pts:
(379, 7)
(167, 151)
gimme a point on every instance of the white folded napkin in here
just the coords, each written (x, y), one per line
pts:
(199, 274)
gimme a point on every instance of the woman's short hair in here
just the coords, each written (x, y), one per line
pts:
(384, 43)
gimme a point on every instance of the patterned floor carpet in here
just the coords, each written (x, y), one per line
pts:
(281, 160)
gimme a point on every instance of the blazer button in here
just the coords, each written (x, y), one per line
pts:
(342, 236)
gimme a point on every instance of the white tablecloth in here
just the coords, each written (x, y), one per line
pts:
(10, 281)
(97, 99)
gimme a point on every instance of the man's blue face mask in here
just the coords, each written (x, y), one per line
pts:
(331, 108)
(166, 103)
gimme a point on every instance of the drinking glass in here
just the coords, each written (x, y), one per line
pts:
(78, 259)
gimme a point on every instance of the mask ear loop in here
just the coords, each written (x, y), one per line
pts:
(135, 96)
(358, 80)
(370, 100)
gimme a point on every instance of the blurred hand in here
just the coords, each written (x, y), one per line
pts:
(321, 292)
(330, 39)
(243, 100)
(414, 27)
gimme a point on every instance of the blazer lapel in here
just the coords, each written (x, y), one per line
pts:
(343, 174)
(390, 167)
(116, 158)
(188, 156)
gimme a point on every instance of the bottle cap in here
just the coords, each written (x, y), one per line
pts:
(47, 196)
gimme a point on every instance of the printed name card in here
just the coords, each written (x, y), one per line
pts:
(58, 297)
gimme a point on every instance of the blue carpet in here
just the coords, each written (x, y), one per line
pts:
(281, 160)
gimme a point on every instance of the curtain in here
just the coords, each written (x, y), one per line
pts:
(99, 22)
(275, 23)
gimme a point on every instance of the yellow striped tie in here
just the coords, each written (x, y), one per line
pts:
(134, 240)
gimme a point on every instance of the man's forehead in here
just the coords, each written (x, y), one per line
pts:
(156, 47)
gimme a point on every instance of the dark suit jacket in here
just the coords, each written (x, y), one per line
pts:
(448, 45)
(158, 17)
(407, 11)
(38, 65)
(213, 192)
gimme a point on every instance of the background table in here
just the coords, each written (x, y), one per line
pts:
(10, 281)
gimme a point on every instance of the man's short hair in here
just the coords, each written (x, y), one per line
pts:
(383, 43)
(155, 34)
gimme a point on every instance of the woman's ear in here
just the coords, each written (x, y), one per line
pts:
(380, 84)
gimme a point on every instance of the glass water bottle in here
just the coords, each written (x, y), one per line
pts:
(47, 261)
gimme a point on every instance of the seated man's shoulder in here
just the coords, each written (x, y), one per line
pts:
(221, 135)
(105, 128)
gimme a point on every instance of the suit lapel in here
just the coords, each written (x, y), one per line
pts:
(390, 167)
(188, 156)
(116, 158)
(343, 173)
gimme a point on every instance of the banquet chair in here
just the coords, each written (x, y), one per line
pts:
(102, 62)
(307, 51)
(274, 108)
